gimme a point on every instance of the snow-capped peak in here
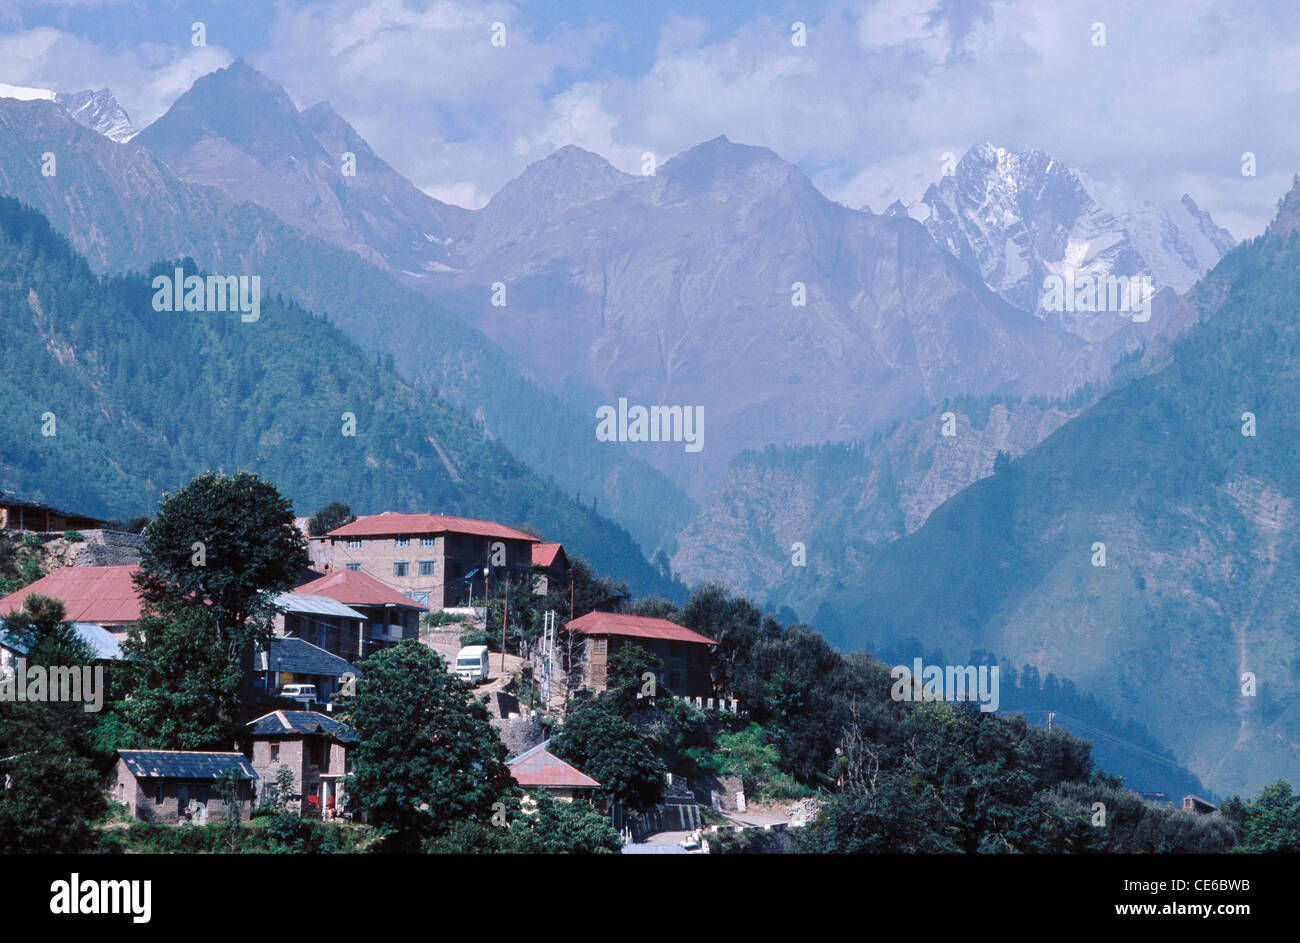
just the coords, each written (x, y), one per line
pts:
(97, 110)
(1019, 216)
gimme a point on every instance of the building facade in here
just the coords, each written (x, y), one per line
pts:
(313, 747)
(174, 787)
(685, 654)
(435, 560)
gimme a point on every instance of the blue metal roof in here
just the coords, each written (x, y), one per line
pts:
(101, 641)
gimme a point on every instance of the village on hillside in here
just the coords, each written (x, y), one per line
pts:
(501, 608)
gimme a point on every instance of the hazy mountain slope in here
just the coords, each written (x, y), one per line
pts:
(238, 131)
(1202, 573)
(143, 400)
(123, 208)
(1019, 216)
(677, 289)
(841, 500)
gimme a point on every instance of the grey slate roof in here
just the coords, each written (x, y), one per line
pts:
(285, 653)
(185, 764)
(289, 723)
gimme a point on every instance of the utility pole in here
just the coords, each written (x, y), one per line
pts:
(505, 618)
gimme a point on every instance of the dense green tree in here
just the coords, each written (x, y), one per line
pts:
(549, 827)
(225, 542)
(1270, 822)
(184, 687)
(599, 741)
(49, 747)
(428, 755)
(328, 517)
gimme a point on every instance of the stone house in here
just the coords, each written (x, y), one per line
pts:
(389, 616)
(311, 745)
(322, 621)
(173, 787)
(685, 654)
(436, 560)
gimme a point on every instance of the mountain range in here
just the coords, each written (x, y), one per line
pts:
(1146, 549)
(713, 283)
(124, 209)
(826, 346)
(111, 402)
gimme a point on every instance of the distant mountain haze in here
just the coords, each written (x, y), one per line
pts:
(672, 289)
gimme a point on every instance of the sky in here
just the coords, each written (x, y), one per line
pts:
(867, 107)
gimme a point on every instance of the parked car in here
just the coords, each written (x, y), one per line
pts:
(299, 692)
(472, 663)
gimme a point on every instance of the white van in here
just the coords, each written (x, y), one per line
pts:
(299, 692)
(472, 663)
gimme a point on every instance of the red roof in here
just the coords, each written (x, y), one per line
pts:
(540, 769)
(354, 588)
(100, 594)
(545, 554)
(375, 525)
(612, 623)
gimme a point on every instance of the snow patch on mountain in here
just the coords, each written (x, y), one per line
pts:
(1019, 216)
(97, 110)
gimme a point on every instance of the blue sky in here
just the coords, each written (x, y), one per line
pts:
(867, 108)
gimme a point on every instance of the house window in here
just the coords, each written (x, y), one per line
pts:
(421, 598)
(354, 545)
(353, 566)
(427, 567)
(275, 753)
(317, 753)
(598, 646)
(428, 541)
(401, 567)
(157, 794)
(402, 542)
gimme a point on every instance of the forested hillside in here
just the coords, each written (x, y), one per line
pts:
(1189, 477)
(124, 210)
(143, 400)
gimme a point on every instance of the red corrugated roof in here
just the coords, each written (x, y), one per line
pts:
(100, 594)
(612, 623)
(354, 588)
(540, 769)
(545, 554)
(375, 525)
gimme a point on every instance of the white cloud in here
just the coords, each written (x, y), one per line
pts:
(881, 90)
